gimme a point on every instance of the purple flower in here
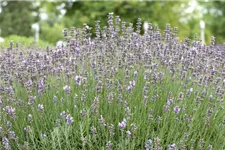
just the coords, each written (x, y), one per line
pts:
(109, 145)
(93, 131)
(176, 109)
(66, 89)
(9, 91)
(40, 107)
(78, 80)
(69, 119)
(83, 113)
(102, 121)
(172, 147)
(189, 91)
(10, 111)
(27, 129)
(63, 114)
(54, 99)
(132, 83)
(170, 102)
(5, 143)
(31, 100)
(29, 83)
(11, 134)
(66, 116)
(128, 134)
(148, 144)
(129, 88)
(123, 124)
(113, 69)
(41, 86)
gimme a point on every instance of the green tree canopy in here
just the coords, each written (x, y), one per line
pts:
(215, 20)
(16, 18)
(158, 13)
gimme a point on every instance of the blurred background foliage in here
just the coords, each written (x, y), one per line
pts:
(24, 41)
(17, 17)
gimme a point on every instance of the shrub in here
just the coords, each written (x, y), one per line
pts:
(23, 41)
(51, 34)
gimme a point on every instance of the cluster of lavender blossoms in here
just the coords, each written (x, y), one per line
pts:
(119, 87)
(66, 116)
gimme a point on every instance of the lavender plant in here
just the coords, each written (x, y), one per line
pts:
(118, 90)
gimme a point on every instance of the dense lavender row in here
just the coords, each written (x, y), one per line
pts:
(119, 90)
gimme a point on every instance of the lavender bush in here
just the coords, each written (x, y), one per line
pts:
(119, 90)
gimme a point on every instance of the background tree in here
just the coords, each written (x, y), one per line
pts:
(16, 18)
(156, 12)
(214, 13)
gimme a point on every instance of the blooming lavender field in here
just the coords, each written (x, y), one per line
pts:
(119, 90)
